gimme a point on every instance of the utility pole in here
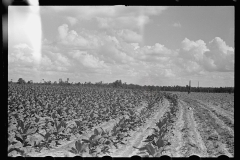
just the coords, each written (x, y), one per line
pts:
(198, 87)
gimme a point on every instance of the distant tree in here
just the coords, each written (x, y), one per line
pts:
(21, 81)
(117, 83)
(48, 82)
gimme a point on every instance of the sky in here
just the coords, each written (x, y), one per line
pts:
(145, 45)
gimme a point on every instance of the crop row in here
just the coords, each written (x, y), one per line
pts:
(157, 141)
(44, 116)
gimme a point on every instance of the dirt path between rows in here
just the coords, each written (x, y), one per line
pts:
(137, 137)
(218, 108)
(216, 135)
(192, 143)
(224, 117)
(183, 137)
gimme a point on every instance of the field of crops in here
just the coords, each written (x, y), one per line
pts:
(67, 121)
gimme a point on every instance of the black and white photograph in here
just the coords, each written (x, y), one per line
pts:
(120, 81)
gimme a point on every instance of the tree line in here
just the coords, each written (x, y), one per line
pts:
(119, 84)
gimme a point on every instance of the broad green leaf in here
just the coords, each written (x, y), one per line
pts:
(159, 143)
(150, 149)
(80, 146)
(94, 138)
(21, 124)
(47, 135)
(73, 150)
(78, 123)
(61, 129)
(96, 132)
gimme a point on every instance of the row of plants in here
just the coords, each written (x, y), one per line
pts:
(100, 143)
(41, 117)
(157, 141)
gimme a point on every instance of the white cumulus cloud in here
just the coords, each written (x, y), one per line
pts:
(72, 20)
(87, 60)
(129, 36)
(215, 56)
(71, 37)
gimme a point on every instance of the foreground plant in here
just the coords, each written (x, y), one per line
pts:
(149, 150)
(79, 149)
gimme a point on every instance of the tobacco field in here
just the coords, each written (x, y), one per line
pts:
(68, 121)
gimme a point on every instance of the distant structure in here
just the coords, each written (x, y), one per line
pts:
(60, 80)
(189, 89)
(30, 82)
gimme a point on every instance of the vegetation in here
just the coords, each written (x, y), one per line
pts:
(101, 119)
(119, 84)
(41, 116)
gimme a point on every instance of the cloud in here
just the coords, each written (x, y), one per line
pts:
(50, 46)
(88, 12)
(129, 36)
(71, 37)
(63, 31)
(84, 39)
(193, 50)
(22, 57)
(111, 17)
(193, 58)
(135, 45)
(177, 24)
(100, 45)
(123, 22)
(157, 53)
(58, 58)
(22, 46)
(221, 55)
(112, 48)
(168, 73)
(54, 61)
(113, 55)
(199, 56)
(72, 20)
(21, 54)
(119, 53)
(87, 60)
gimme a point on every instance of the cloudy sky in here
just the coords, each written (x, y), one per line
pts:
(141, 45)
